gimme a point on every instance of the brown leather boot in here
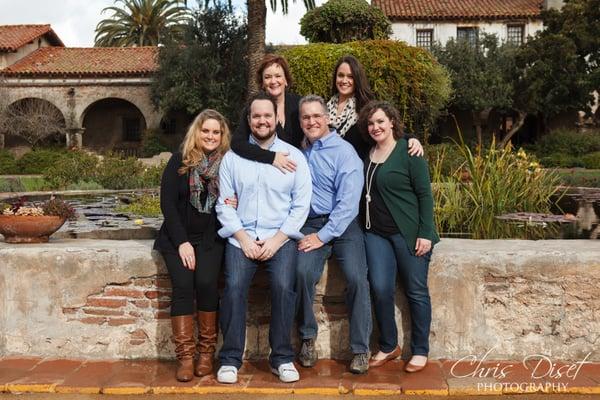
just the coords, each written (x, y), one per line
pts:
(183, 337)
(208, 330)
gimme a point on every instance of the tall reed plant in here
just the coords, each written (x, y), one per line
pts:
(489, 183)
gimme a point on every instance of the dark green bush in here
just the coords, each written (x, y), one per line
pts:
(8, 164)
(567, 141)
(340, 21)
(119, 173)
(73, 167)
(407, 76)
(591, 160)
(11, 185)
(39, 160)
(151, 144)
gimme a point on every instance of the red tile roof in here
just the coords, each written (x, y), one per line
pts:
(459, 9)
(12, 37)
(91, 61)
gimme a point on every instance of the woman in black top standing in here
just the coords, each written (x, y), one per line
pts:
(274, 77)
(188, 240)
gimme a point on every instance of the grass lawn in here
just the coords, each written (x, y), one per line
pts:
(580, 177)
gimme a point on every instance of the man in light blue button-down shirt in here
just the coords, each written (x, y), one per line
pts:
(337, 176)
(272, 207)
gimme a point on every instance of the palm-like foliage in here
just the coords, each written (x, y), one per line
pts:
(142, 23)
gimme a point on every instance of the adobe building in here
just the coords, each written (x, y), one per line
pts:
(103, 93)
(422, 23)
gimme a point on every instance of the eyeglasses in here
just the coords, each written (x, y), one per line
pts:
(307, 118)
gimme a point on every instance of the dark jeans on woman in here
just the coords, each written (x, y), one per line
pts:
(202, 281)
(238, 272)
(387, 256)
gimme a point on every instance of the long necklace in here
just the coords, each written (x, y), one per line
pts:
(369, 184)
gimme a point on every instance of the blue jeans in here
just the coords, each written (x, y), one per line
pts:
(349, 250)
(387, 256)
(238, 273)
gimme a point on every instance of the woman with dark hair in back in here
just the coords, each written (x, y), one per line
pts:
(350, 92)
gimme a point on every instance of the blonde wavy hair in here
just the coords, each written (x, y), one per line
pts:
(191, 150)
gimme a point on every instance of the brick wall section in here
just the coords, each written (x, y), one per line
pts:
(131, 303)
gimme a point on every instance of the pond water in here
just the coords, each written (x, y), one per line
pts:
(98, 218)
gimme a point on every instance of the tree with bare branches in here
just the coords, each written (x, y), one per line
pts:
(32, 120)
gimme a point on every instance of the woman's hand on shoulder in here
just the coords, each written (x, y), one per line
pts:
(232, 201)
(423, 246)
(284, 163)
(187, 255)
(415, 148)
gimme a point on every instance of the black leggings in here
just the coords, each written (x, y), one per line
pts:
(203, 280)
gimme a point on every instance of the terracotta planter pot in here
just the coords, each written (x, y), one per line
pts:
(29, 229)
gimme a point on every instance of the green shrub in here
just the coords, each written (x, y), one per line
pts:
(8, 164)
(33, 183)
(11, 185)
(568, 142)
(150, 176)
(592, 160)
(408, 77)
(39, 160)
(117, 173)
(561, 160)
(151, 144)
(340, 21)
(75, 166)
(147, 205)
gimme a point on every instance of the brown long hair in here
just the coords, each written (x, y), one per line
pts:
(362, 89)
(191, 151)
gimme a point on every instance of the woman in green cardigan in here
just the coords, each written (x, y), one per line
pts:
(398, 209)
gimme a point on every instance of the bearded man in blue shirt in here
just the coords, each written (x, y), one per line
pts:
(272, 207)
(331, 227)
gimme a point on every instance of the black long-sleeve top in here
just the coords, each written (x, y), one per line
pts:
(290, 133)
(182, 222)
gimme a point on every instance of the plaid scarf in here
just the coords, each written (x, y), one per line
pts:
(205, 177)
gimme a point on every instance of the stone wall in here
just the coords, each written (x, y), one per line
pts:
(110, 299)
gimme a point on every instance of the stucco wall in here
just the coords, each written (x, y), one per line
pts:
(109, 299)
(9, 58)
(443, 31)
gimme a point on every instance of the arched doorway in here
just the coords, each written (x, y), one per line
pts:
(33, 122)
(113, 124)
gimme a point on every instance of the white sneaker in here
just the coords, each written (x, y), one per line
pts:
(286, 372)
(227, 374)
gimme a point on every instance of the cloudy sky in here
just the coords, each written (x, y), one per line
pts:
(74, 20)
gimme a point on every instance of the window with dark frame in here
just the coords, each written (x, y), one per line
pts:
(131, 129)
(425, 38)
(468, 34)
(515, 34)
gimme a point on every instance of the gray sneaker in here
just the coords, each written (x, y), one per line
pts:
(308, 354)
(360, 363)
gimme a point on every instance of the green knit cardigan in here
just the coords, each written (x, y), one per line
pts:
(405, 187)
